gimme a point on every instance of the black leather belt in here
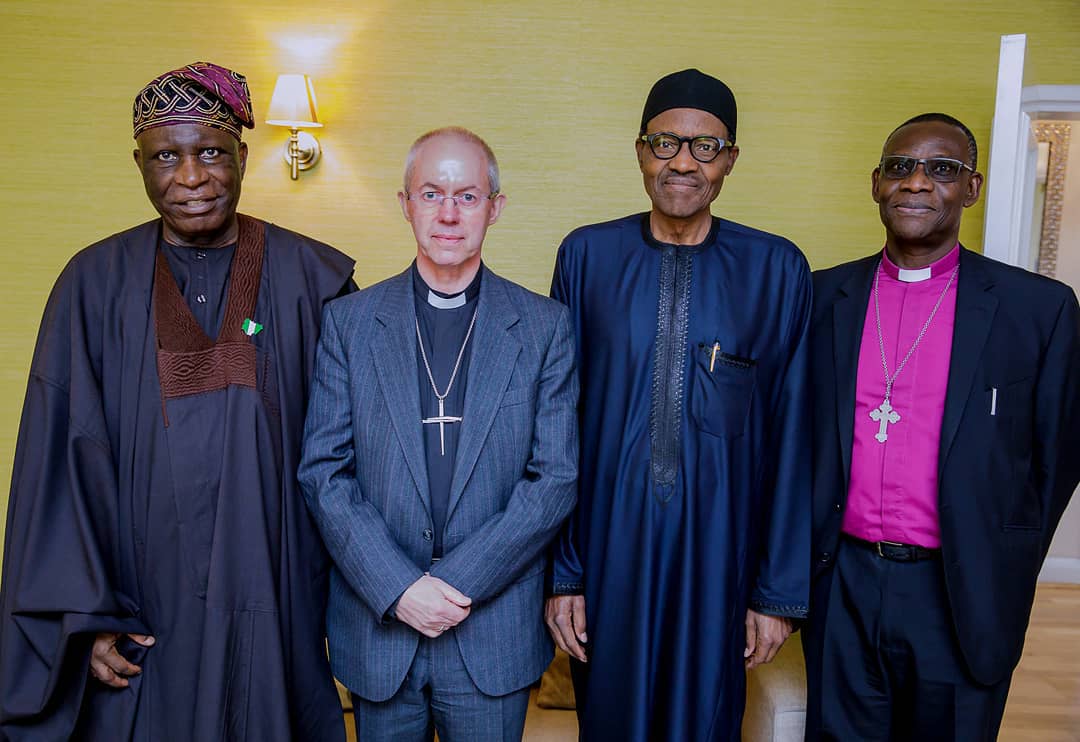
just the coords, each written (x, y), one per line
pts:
(896, 552)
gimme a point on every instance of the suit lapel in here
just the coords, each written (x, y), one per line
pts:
(975, 308)
(491, 364)
(849, 317)
(393, 350)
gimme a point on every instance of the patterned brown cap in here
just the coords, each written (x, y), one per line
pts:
(199, 93)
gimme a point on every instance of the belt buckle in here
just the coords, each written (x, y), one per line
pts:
(886, 543)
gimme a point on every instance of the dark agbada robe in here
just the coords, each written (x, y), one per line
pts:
(693, 491)
(194, 531)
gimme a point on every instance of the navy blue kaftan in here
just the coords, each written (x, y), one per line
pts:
(693, 500)
(195, 533)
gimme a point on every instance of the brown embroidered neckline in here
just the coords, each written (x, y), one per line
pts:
(189, 362)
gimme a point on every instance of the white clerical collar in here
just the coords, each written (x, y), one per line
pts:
(940, 267)
(441, 300)
(449, 302)
(914, 276)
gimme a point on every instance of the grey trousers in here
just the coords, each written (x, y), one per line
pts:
(438, 695)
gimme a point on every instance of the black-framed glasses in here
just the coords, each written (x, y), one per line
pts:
(434, 199)
(665, 146)
(940, 169)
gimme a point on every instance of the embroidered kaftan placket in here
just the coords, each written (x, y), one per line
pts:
(665, 416)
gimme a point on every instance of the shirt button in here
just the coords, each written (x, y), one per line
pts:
(428, 534)
(199, 255)
(201, 298)
(838, 507)
(824, 557)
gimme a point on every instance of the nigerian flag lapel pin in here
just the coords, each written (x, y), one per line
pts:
(251, 327)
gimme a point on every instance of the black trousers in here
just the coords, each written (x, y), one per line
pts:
(882, 658)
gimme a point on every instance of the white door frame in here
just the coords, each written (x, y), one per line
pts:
(1008, 156)
(1013, 153)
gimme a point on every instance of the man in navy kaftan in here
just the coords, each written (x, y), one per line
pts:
(688, 554)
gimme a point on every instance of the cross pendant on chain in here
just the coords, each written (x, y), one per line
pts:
(884, 415)
(442, 420)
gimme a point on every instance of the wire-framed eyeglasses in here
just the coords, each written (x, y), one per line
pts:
(940, 169)
(665, 146)
(434, 200)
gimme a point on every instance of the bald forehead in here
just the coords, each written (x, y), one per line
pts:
(449, 158)
(442, 145)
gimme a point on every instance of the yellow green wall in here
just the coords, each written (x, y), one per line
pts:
(556, 87)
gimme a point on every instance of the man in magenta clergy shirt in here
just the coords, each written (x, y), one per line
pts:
(947, 395)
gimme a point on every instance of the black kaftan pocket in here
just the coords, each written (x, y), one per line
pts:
(721, 392)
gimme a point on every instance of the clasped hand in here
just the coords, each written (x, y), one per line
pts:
(432, 606)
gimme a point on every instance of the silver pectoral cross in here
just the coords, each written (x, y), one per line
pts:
(442, 420)
(884, 415)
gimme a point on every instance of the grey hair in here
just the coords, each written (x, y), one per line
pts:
(461, 133)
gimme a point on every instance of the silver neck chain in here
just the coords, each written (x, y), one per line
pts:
(926, 326)
(457, 363)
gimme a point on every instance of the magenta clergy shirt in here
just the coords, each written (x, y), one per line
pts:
(893, 492)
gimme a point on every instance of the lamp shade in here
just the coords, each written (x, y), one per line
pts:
(293, 103)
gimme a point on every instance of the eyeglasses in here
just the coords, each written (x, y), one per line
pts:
(434, 200)
(665, 146)
(940, 169)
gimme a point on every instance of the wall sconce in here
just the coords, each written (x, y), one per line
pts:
(293, 105)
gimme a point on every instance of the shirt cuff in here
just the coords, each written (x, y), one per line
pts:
(568, 588)
(777, 609)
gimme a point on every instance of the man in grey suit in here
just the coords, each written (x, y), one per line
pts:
(440, 458)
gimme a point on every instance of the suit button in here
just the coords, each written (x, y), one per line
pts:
(838, 507)
(428, 534)
(824, 557)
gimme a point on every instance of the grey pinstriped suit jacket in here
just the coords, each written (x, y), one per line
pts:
(365, 480)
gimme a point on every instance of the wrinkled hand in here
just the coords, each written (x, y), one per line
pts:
(565, 617)
(764, 637)
(432, 606)
(108, 665)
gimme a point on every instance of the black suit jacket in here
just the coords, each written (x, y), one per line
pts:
(1003, 479)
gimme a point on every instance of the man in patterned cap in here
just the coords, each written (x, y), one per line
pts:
(688, 553)
(162, 579)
